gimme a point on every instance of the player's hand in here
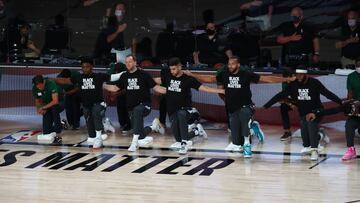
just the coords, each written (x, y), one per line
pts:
(353, 40)
(295, 37)
(121, 27)
(310, 117)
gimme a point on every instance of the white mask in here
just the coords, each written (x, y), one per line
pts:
(357, 69)
(352, 22)
(118, 13)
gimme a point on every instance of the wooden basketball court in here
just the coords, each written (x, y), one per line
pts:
(74, 172)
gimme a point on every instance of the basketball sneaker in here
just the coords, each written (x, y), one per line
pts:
(285, 136)
(349, 154)
(201, 130)
(247, 151)
(314, 154)
(184, 148)
(98, 143)
(145, 142)
(305, 150)
(234, 148)
(176, 145)
(46, 138)
(157, 127)
(324, 136)
(108, 125)
(133, 147)
(256, 130)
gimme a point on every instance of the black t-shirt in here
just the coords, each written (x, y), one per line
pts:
(91, 87)
(102, 47)
(137, 86)
(178, 93)
(211, 47)
(304, 45)
(307, 96)
(237, 88)
(118, 43)
(352, 50)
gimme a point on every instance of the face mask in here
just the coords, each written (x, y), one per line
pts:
(296, 19)
(357, 69)
(210, 32)
(352, 22)
(118, 13)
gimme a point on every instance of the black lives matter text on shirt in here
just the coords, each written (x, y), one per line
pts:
(91, 87)
(137, 86)
(307, 95)
(237, 88)
(351, 50)
(178, 91)
(304, 45)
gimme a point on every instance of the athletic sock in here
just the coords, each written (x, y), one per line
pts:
(247, 140)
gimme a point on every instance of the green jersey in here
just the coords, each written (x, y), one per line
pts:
(353, 84)
(46, 95)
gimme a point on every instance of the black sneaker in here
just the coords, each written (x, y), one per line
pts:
(285, 136)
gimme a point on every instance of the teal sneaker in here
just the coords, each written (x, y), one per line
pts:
(256, 130)
(247, 151)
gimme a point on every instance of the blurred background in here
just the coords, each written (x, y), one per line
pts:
(59, 32)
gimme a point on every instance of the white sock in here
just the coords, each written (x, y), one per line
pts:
(247, 140)
(98, 134)
(135, 138)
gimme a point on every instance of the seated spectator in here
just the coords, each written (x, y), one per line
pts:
(350, 44)
(209, 50)
(57, 36)
(166, 43)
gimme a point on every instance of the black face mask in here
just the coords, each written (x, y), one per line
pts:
(296, 19)
(210, 32)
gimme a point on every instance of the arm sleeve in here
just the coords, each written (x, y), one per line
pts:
(348, 83)
(331, 111)
(149, 80)
(279, 96)
(195, 84)
(324, 91)
(253, 77)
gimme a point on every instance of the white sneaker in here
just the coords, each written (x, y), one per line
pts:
(202, 132)
(133, 147)
(191, 126)
(314, 154)
(320, 148)
(146, 141)
(98, 143)
(234, 148)
(108, 125)
(46, 138)
(306, 150)
(104, 136)
(324, 136)
(90, 140)
(176, 145)
(157, 127)
(183, 149)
